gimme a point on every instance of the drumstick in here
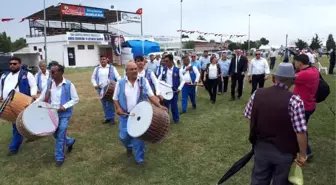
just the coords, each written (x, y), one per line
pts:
(172, 92)
(129, 114)
(40, 106)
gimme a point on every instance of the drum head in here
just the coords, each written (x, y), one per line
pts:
(166, 90)
(137, 125)
(40, 121)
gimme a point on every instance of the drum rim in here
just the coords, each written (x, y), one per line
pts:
(128, 127)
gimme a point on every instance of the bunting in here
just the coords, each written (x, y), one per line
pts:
(205, 33)
(21, 20)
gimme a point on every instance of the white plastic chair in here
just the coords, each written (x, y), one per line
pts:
(320, 67)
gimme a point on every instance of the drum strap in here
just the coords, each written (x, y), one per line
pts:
(141, 89)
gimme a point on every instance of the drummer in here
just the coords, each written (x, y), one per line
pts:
(23, 82)
(100, 78)
(42, 76)
(149, 75)
(174, 77)
(62, 95)
(125, 99)
(191, 76)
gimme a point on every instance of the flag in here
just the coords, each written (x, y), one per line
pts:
(35, 19)
(23, 19)
(139, 11)
(6, 19)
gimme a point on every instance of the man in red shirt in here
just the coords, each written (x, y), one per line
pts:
(306, 84)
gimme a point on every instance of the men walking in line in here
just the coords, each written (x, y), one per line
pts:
(237, 69)
(100, 78)
(332, 60)
(205, 60)
(258, 71)
(225, 65)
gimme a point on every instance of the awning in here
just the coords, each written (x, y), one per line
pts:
(143, 48)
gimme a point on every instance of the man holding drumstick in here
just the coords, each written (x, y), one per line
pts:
(23, 82)
(128, 93)
(100, 78)
(61, 94)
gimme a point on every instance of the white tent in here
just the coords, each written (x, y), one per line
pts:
(265, 47)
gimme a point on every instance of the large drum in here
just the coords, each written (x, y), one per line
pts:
(37, 120)
(13, 105)
(148, 122)
(106, 93)
(166, 90)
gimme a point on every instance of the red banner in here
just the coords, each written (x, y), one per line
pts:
(72, 10)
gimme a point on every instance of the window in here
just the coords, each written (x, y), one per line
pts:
(40, 50)
(81, 47)
(90, 47)
(35, 48)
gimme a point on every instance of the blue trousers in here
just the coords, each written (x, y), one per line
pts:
(130, 142)
(108, 108)
(62, 139)
(188, 90)
(17, 139)
(174, 107)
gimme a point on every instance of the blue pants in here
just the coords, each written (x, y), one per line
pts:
(174, 108)
(188, 90)
(130, 142)
(62, 139)
(17, 139)
(108, 108)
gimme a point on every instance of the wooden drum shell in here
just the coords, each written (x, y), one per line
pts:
(108, 91)
(15, 106)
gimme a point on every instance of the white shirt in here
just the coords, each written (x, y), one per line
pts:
(132, 92)
(154, 79)
(56, 93)
(258, 67)
(44, 78)
(213, 71)
(11, 81)
(273, 54)
(169, 77)
(311, 57)
(103, 75)
(186, 74)
(152, 65)
(237, 60)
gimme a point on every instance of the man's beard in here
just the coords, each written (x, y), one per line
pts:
(15, 70)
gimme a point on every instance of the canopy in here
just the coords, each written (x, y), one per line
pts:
(138, 45)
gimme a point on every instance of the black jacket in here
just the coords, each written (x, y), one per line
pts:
(242, 65)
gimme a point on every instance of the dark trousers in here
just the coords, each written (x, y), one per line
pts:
(212, 88)
(234, 79)
(270, 164)
(257, 80)
(220, 84)
(307, 115)
(202, 78)
(272, 63)
(331, 68)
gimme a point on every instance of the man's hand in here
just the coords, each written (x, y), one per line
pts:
(61, 109)
(34, 97)
(163, 108)
(120, 111)
(96, 87)
(160, 97)
(266, 77)
(178, 91)
(38, 92)
(301, 160)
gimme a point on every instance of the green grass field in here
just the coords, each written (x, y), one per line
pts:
(196, 152)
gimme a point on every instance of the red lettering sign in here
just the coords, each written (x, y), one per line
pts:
(72, 10)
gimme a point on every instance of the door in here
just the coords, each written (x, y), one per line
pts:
(71, 56)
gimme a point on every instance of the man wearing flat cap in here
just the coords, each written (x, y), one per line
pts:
(277, 129)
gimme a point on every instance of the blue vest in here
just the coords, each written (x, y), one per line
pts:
(65, 97)
(176, 77)
(39, 81)
(122, 96)
(23, 82)
(192, 74)
(149, 78)
(111, 74)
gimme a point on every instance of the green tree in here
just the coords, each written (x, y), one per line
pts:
(264, 41)
(301, 44)
(234, 45)
(189, 45)
(330, 44)
(19, 43)
(315, 43)
(200, 37)
(5, 43)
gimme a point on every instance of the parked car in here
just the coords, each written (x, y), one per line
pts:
(4, 63)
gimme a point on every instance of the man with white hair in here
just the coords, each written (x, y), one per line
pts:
(42, 76)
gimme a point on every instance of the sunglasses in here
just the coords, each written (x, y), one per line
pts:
(13, 64)
(258, 54)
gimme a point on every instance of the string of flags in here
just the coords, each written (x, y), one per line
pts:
(205, 33)
(23, 19)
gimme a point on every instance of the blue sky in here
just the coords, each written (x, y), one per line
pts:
(269, 18)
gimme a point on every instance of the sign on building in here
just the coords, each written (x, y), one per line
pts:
(85, 37)
(81, 11)
(130, 17)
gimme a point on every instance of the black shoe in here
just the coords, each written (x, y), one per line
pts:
(11, 153)
(112, 122)
(59, 164)
(129, 152)
(213, 102)
(239, 97)
(70, 147)
(141, 164)
(232, 99)
(182, 113)
(107, 121)
(194, 108)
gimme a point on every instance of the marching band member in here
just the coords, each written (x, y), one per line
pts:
(61, 94)
(129, 91)
(149, 75)
(191, 76)
(23, 82)
(174, 77)
(159, 69)
(42, 76)
(101, 76)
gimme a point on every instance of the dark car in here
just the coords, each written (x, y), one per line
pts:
(4, 63)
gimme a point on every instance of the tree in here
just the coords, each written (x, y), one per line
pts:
(19, 43)
(264, 41)
(315, 43)
(184, 36)
(5, 43)
(212, 41)
(200, 37)
(189, 45)
(234, 45)
(330, 44)
(301, 44)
